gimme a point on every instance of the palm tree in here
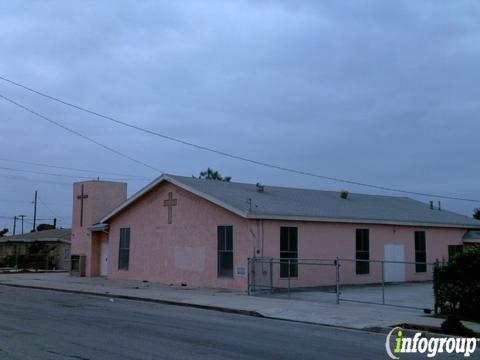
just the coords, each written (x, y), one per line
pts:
(211, 174)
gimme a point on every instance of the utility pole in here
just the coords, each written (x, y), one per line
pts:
(14, 224)
(21, 217)
(54, 223)
(35, 212)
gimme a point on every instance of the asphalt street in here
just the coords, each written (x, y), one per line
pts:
(39, 324)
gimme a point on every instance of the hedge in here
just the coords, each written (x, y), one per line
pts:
(457, 285)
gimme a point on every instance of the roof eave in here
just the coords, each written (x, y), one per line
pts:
(359, 221)
(98, 227)
(181, 185)
(243, 214)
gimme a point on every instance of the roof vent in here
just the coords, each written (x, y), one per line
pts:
(344, 194)
(259, 187)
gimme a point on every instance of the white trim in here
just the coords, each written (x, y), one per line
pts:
(158, 181)
(471, 241)
(358, 221)
(98, 227)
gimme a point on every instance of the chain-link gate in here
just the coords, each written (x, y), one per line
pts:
(274, 275)
(394, 283)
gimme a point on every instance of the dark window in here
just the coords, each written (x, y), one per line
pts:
(454, 250)
(225, 251)
(288, 252)
(420, 252)
(124, 249)
(362, 251)
(75, 263)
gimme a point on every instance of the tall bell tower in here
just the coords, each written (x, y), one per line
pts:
(91, 201)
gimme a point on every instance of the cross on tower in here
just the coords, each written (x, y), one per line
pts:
(81, 197)
(170, 202)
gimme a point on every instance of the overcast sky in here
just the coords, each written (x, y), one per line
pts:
(380, 92)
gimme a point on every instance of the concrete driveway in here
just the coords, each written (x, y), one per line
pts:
(414, 295)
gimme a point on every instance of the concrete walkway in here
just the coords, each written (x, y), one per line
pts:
(349, 315)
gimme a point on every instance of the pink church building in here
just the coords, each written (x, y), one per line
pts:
(182, 230)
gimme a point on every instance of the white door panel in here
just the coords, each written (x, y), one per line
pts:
(394, 272)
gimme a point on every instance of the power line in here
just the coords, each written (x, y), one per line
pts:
(237, 157)
(23, 178)
(14, 201)
(68, 168)
(56, 123)
(47, 207)
(24, 216)
(64, 175)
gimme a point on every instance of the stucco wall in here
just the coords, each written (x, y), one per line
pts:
(329, 240)
(62, 262)
(184, 251)
(103, 196)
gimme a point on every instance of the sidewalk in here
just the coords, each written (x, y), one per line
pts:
(349, 315)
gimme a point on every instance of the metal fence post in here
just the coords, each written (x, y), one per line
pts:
(337, 279)
(248, 275)
(435, 302)
(383, 282)
(271, 275)
(289, 278)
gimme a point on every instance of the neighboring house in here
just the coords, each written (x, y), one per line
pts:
(202, 232)
(45, 250)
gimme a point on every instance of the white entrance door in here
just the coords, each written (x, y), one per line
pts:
(394, 272)
(104, 258)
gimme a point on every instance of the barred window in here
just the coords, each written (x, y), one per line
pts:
(124, 249)
(420, 252)
(362, 251)
(225, 251)
(288, 251)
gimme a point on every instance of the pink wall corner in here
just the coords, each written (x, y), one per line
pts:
(103, 196)
(184, 251)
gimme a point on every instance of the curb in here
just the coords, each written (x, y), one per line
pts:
(252, 313)
(136, 298)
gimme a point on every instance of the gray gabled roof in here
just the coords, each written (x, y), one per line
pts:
(472, 236)
(53, 235)
(309, 205)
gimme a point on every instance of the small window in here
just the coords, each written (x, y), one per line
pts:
(66, 254)
(420, 252)
(75, 263)
(225, 251)
(362, 251)
(454, 250)
(124, 249)
(288, 252)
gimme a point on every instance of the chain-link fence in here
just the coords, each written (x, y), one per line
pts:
(288, 276)
(387, 282)
(384, 282)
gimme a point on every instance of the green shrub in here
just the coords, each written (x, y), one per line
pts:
(457, 285)
(8, 261)
(453, 326)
